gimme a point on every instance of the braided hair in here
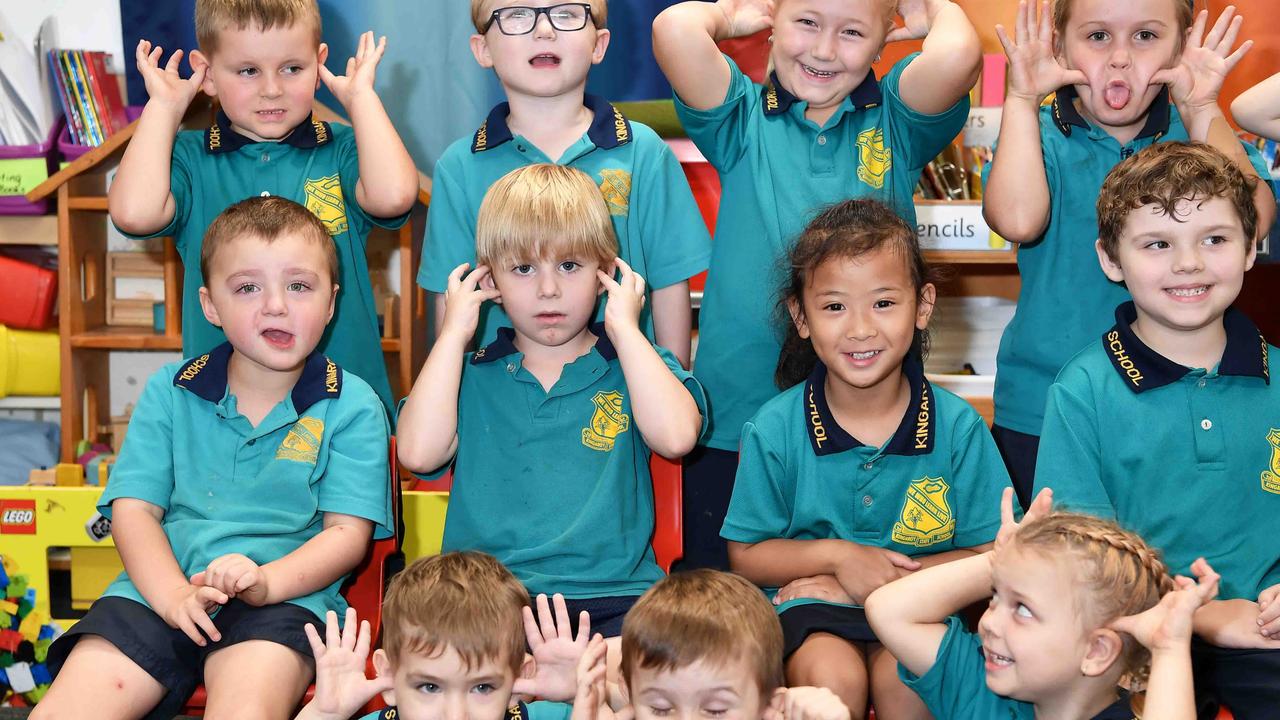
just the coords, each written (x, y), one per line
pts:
(1121, 574)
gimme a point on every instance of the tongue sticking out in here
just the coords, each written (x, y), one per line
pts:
(545, 61)
(1117, 96)
(279, 337)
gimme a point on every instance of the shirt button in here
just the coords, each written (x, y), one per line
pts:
(264, 193)
(866, 501)
(252, 441)
(867, 466)
(1206, 424)
(521, 148)
(822, 139)
(511, 367)
(266, 157)
(1200, 384)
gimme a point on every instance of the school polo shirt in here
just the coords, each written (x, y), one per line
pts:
(777, 170)
(934, 486)
(956, 686)
(315, 165)
(228, 487)
(1187, 458)
(660, 231)
(1065, 301)
(555, 484)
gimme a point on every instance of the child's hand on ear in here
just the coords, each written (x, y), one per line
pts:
(1034, 70)
(917, 17)
(1168, 625)
(626, 298)
(805, 703)
(462, 301)
(341, 686)
(1194, 83)
(165, 87)
(1042, 505)
(591, 702)
(746, 17)
(556, 651)
(361, 70)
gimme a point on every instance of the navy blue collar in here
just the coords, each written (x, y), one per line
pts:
(222, 138)
(206, 376)
(1121, 709)
(1065, 114)
(1145, 369)
(778, 100)
(609, 128)
(517, 711)
(505, 344)
(914, 435)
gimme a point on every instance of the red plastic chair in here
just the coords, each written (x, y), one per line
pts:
(363, 590)
(668, 510)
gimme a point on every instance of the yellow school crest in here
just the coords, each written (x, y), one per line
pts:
(324, 200)
(615, 185)
(926, 516)
(302, 444)
(1271, 476)
(874, 159)
(607, 422)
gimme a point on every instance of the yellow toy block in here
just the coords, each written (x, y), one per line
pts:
(31, 624)
(8, 608)
(69, 475)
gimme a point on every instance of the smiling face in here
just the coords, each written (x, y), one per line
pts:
(439, 686)
(265, 80)
(1119, 46)
(543, 63)
(272, 299)
(698, 690)
(823, 49)
(551, 299)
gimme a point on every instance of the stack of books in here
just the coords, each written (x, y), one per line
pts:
(90, 97)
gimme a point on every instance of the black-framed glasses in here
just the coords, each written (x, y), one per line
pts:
(520, 20)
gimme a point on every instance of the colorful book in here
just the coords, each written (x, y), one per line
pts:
(88, 107)
(107, 90)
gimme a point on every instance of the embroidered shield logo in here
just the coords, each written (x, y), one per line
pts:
(302, 444)
(615, 185)
(926, 517)
(607, 422)
(1271, 476)
(874, 159)
(324, 200)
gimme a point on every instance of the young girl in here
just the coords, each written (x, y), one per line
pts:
(1076, 607)
(1126, 75)
(862, 471)
(1257, 109)
(823, 129)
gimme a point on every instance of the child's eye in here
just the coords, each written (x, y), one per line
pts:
(660, 711)
(292, 70)
(246, 289)
(1022, 611)
(1157, 245)
(484, 689)
(715, 712)
(834, 307)
(1098, 36)
(429, 688)
(1215, 240)
(298, 287)
(247, 72)
(807, 22)
(569, 265)
(883, 304)
(523, 269)
(853, 33)
(1145, 36)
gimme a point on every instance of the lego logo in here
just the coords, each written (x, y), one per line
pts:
(18, 517)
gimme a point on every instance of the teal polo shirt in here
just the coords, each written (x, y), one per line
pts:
(932, 487)
(955, 687)
(226, 486)
(555, 484)
(1065, 301)
(1188, 458)
(660, 231)
(315, 165)
(777, 170)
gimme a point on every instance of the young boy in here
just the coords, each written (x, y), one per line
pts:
(262, 61)
(1109, 64)
(248, 488)
(701, 644)
(452, 647)
(1167, 423)
(538, 424)
(822, 130)
(541, 51)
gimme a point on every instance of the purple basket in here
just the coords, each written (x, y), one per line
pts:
(18, 204)
(72, 151)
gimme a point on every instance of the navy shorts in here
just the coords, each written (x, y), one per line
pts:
(1246, 682)
(607, 613)
(708, 486)
(167, 654)
(845, 622)
(1019, 452)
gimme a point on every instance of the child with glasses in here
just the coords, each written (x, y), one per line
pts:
(542, 51)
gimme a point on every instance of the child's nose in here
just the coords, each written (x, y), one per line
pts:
(825, 47)
(542, 26)
(1120, 57)
(548, 286)
(273, 302)
(1188, 260)
(270, 85)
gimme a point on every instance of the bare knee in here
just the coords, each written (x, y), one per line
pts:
(824, 660)
(892, 699)
(98, 680)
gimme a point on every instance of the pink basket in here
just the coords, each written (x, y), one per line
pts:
(72, 151)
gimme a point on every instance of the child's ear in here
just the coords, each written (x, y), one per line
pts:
(198, 60)
(528, 668)
(333, 301)
(489, 283)
(797, 317)
(602, 45)
(925, 305)
(480, 51)
(382, 666)
(322, 54)
(1105, 646)
(1251, 254)
(1110, 267)
(206, 305)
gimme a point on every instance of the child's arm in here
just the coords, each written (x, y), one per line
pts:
(341, 686)
(140, 200)
(1194, 84)
(684, 43)
(1257, 109)
(388, 182)
(1235, 624)
(1166, 631)
(859, 569)
(673, 320)
(1016, 199)
(665, 413)
(828, 587)
(948, 64)
(428, 423)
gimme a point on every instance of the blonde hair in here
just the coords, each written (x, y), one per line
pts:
(1117, 572)
(214, 16)
(267, 219)
(482, 10)
(467, 601)
(537, 210)
(703, 615)
(1062, 15)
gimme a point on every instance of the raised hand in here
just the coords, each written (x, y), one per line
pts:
(626, 298)
(556, 651)
(361, 70)
(462, 301)
(1034, 71)
(805, 703)
(865, 569)
(746, 17)
(341, 686)
(1168, 625)
(917, 17)
(1194, 83)
(237, 576)
(187, 609)
(819, 587)
(1042, 505)
(165, 87)
(591, 701)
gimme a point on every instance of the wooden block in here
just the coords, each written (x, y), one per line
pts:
(42, 476)
(390, 316)
(141, 270)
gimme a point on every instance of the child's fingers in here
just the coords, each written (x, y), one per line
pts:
(197, 74)
(1004, 40)
(472, 279)
(1043, 503)
(1219, 29)
(364, 638)
(532, 634)
(1229, 37)
(561, 611)
(607, 280)
(546, 622)
(1044, 32)
(1006, 507)
(901, 561)
(1240, 52)
(188, 628)
(1195, 36)
(174, 62)
(326, 76)
(313, 637)
(350, 629)
(203, 621)
(351, 67)
(584, 627)
(454, 281)
(332, 636)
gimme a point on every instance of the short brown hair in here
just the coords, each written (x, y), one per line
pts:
(467, 601)
(1062, 15)
(214, 16)
(703, 615)
(1166, 174)
(538, 209)
(267, 219)
(482, 10)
